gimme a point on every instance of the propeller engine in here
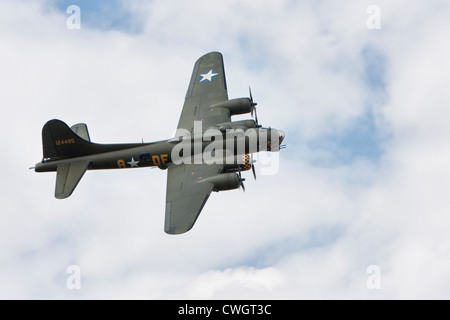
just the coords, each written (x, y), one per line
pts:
(239, 106)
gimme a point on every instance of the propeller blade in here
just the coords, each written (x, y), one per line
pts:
(253, 106)
(253, 170)
(243, 187)
(252, 162)
(241, 180)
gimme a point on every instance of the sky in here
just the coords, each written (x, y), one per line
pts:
(356, 207)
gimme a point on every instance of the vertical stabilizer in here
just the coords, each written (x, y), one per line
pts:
(59, 141)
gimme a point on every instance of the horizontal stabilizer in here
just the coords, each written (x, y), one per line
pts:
(67, 177)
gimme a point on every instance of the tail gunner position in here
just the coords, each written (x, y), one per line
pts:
(208, 153)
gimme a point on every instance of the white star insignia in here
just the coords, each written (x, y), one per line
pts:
(133, 163)
(208, 76)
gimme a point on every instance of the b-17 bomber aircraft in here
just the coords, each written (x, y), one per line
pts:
(208, 152)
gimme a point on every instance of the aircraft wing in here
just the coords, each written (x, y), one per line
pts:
(207, 87)
(186, 195)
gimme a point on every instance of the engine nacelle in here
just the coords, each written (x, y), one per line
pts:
(241, 124)
(223, 182)
(236, 106)
(239, 163)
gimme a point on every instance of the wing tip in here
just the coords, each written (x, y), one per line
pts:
(178, 229)
(212, 53)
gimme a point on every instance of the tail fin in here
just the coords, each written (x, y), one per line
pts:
(59, 141)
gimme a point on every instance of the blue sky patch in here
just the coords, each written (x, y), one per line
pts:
(359, 141)
(318, 237)
(103, 15)
(362, 139)
(374, 64)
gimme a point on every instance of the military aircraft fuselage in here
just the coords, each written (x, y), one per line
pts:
(211, 147)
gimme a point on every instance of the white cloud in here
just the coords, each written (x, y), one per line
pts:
(234, 283)
(310, 231)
